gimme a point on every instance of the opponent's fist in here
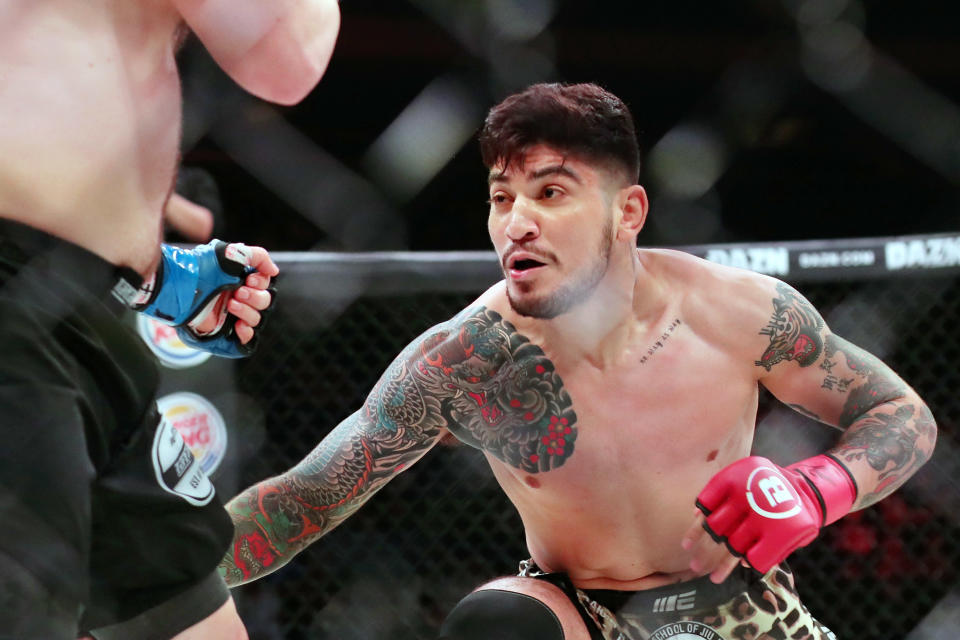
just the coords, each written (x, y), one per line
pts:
(215, 295)
(763, 512)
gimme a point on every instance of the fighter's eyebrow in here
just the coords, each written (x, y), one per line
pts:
(554, 169)
(496, 176)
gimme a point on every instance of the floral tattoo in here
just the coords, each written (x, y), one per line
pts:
(500, 393)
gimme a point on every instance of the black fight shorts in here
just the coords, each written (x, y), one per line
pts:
(106, 513)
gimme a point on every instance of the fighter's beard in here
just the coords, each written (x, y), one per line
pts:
(569, 294)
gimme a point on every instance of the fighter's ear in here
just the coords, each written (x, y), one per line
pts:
(633, 205)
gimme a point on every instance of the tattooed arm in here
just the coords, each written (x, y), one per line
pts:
(888, 431)
(398, 423)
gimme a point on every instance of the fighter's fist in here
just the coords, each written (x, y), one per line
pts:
(763, 512)
(248, 304)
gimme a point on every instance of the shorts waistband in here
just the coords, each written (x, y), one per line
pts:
(56, 264)
(683, 597)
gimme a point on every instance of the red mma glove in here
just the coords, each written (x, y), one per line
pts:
(764, 512)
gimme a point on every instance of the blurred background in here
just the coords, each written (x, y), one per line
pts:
(758, 119)
(763, 123)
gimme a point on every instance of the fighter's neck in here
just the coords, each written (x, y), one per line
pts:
(600, 329)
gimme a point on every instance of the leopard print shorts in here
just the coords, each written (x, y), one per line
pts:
(746, 606)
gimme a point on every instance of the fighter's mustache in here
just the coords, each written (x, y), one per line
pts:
(523, 257)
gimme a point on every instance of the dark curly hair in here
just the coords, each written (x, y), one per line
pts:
(582, 120)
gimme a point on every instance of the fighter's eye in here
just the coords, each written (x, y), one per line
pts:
(551, 192)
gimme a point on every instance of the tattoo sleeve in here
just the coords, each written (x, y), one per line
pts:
(889, 432)
(475, 376)
(887, 427)
(277, 518)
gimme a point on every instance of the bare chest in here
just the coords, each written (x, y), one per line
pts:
(668, 402)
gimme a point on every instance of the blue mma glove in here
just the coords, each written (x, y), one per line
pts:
(189, 285)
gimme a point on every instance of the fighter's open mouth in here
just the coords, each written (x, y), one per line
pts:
(523, 265)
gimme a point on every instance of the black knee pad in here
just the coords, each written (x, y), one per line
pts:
(492, 614)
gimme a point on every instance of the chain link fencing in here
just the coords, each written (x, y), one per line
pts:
(442, 527)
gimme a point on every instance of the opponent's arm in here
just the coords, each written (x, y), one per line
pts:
(275, 49)
(277, 518)
(763, 512)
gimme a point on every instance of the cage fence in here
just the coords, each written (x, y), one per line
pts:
(398, 565)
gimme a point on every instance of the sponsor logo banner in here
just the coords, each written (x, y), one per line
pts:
(922, 253)
(200, 426)
(773, 261)
(835, 258)
(811, 260)
(177, 471)
(166, 344)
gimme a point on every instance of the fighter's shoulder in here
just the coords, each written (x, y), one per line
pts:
(719, 299)
(485, 317)
(709, 280)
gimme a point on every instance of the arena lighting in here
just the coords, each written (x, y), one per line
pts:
(476, 23)
(678, 220)
(307, 178)
(520, 19)
(445, 115)
(838, 57)
(688, 161)
(898, 105)
(514, 65)
(423, 138)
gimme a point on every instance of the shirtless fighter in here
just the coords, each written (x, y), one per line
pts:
(611, 389)
(110, 526)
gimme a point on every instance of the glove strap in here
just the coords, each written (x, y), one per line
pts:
(132, 289)
(170, 294)
(832, 483)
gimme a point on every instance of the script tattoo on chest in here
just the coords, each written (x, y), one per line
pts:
(658, 344)
(794, 330)
(499, 392)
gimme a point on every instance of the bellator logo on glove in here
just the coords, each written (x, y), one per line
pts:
(770, 495)
(763, 512)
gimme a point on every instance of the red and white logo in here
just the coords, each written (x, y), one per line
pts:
(163, 340)
(176, 469)
(200, 425)
(770, 495)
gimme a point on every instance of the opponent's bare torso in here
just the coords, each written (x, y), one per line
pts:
(603, 465)
(90, 106)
